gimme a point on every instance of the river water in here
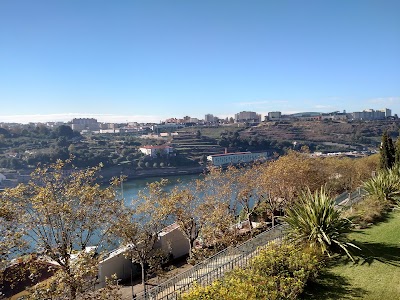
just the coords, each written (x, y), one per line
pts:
(132, 187)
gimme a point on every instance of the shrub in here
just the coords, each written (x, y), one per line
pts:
(368, 211)
(385, 185)
(314, 220)
(278, 272)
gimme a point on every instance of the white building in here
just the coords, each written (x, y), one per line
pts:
(2, 178)
(209, 118)
(247, 116)
(166, 126)
(274, 115)
(236, 158)
(370, 114)
(80, 124)
(171, 240)
(154, 150)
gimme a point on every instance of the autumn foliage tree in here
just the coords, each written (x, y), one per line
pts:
(185, 208)
(139, 225)
(61, 212)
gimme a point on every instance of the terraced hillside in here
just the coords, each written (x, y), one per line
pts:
(194, 147)
(325, 134)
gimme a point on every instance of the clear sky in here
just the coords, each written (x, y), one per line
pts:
(149, 60)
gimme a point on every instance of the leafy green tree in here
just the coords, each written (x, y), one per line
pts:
(198, 134)
(64, 130)
(387, 152)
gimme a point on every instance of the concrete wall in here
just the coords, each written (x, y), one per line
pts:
(173, 242)
(116, 264)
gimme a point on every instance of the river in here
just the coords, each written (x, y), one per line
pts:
(132, 187)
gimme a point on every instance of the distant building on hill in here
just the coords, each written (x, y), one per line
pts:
(210, 119)
(248, 117)
(370, 114)
(236, 158)
(154, 150)
(89, 124)
(274, 115)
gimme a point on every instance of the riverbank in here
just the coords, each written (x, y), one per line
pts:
(108, 173)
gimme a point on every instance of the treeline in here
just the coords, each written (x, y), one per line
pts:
(252, 143)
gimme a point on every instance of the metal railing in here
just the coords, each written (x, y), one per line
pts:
(216, 266)
(350, 198)
(212, 268)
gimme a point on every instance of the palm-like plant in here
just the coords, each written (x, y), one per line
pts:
(313, 219)
(385, 185)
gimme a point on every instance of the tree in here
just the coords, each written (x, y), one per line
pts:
(387, 152)
(140, 224)
(245, 187)
(184, 206)
(288, 176)
(65, 131)
(62, 212)
(11, 241)
(198, 134)
(217, 211)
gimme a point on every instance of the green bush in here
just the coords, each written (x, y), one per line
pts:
(278, 272)
(385, 185)
(368, 211)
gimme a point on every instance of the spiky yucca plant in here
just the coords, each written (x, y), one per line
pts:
(385, 185)
(313, 219)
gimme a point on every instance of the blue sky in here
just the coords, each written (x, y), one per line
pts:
(150, 60)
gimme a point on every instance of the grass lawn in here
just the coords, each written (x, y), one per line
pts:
(376, 275)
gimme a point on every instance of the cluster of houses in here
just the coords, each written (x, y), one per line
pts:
(91, 125)
(85, 125)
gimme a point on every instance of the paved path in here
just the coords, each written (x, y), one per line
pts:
(126, 290)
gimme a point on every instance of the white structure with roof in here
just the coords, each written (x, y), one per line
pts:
(153, 150)
(247, 116)
(171, 240)
(2, 178)
(236, 158)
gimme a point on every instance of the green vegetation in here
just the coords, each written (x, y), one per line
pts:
(24, 146)
(314, 220)
(278, 272)
(377, 273)
(210, 209)
(387, 152)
